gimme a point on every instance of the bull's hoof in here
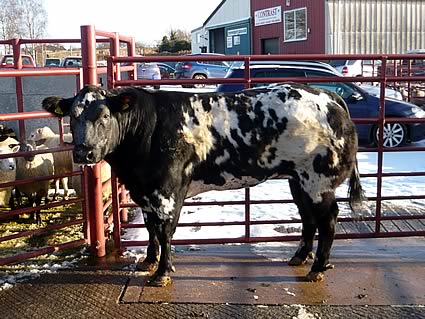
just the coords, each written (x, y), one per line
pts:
(329, 266)
(296, 261)
(314, 276)
(146, 266)
(160, 281)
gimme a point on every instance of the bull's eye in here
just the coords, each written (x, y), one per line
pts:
(106, 116)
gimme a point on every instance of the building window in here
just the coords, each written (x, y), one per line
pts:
(295, 22)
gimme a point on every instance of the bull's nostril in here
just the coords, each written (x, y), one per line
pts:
(90, 156)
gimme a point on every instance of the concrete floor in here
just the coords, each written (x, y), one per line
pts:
(367, 272)
(373, 278)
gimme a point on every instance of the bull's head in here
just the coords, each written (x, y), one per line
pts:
(93, 122)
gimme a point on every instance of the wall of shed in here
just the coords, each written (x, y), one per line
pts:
(372, 26)
(229, 13)
(315, 42)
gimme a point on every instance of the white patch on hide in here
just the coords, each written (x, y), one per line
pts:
(199, 135)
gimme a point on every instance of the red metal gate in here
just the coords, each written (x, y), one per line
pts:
(96, 223)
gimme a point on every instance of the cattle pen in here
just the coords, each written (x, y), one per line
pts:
(102, 221)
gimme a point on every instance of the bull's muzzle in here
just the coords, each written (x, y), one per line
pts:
(83, 155)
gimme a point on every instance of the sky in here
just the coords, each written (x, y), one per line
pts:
(147, 21)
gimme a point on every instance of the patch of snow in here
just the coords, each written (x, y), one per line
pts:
(32, 270)
(303, 314)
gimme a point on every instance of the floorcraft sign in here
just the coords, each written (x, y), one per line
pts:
(268, 16)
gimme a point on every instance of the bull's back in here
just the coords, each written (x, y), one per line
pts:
(275, 136)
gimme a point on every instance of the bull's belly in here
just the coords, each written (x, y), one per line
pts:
(231, 182)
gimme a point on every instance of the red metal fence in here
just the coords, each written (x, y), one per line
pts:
(94, 219)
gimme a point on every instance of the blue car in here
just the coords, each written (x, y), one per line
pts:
(360, 103)
(201, 70)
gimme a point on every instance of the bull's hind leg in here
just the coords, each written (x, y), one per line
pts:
(327, 212)
(304, 204)
(150, 263)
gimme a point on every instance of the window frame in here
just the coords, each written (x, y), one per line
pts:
(293, 11)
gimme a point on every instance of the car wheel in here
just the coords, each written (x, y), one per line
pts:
(395, 134)
(199, 77)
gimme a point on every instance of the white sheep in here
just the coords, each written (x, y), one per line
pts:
(62, 160)
(33, 166)
(7, 171)
(7, 174)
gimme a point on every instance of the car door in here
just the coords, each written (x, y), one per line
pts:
(357, 103)
(216, 69)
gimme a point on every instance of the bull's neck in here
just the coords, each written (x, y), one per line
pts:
(136, 126)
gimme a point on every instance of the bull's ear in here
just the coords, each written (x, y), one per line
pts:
(123, 101)
(57, 105)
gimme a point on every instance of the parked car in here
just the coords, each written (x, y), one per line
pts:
(353, 68)
(201, 70)
(6, 61)
(167, 72)
(52, 62)
(72, 62)
(360, 103)
(148, 71)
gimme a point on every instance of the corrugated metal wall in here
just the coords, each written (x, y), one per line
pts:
(375, 26)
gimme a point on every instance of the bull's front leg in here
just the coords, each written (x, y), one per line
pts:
(150, 263)
(167, 215)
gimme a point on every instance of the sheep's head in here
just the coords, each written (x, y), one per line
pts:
(7, 164)
(24, 147)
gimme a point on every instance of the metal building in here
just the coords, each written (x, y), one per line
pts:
(227, 30)
(307, 26)
(374, 26)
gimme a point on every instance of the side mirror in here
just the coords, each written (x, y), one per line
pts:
(356, 96)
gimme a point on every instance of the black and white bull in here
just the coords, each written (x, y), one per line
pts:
(168, 146)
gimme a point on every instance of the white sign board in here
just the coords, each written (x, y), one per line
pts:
(239, 31)
(268, 16)
(229, 42)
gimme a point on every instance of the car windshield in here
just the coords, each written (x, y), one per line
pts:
(336, 63)
(25, 60)
(73, 62)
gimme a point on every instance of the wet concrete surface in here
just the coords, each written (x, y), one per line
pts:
(367, 272)
(373, 278)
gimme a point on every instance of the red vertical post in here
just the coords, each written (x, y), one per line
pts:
(17, 60)
(131, 49)
(247, 215)
(94, 191)
(247, 62)
(381, 124)
(116, 213)
(116, 52)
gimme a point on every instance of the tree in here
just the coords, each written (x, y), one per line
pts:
(10, 19)
(34, 18)
(175, 41)
(22, 19)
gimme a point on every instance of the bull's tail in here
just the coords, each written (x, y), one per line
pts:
(356, 194)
